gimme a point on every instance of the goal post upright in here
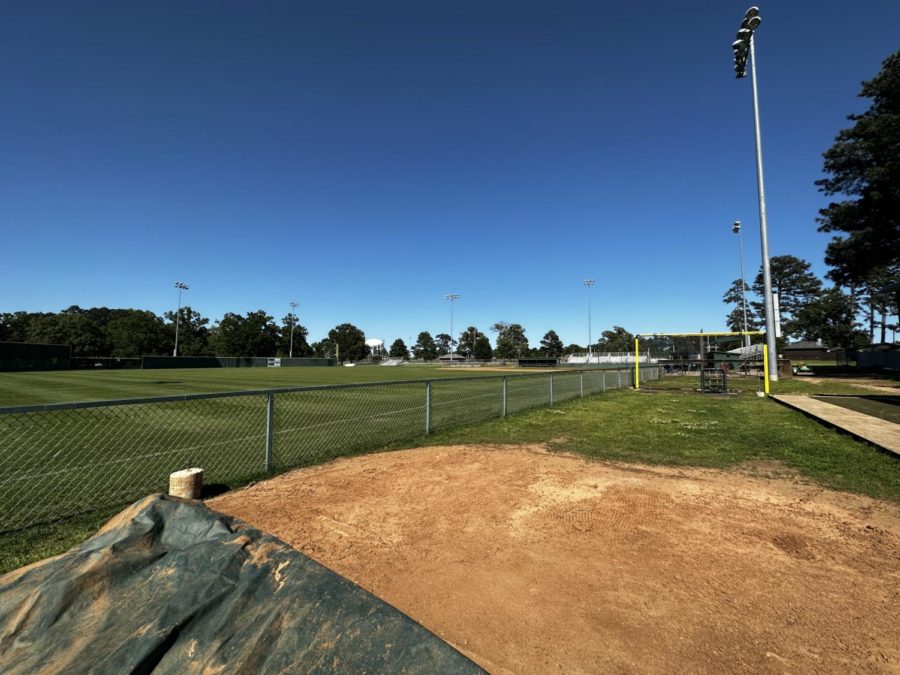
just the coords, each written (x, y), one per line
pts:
(637, 362)
(637, 340)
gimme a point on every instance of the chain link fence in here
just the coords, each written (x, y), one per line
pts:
(59, 460)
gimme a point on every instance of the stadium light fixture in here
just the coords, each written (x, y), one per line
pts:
(181, 286)
(589, 283)
(736, 229)
(743, 46)
(294, 306)
(451, 297)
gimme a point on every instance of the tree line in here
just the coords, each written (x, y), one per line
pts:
(129, 333)
(863, 165)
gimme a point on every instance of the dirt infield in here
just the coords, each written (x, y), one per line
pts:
(529, 561)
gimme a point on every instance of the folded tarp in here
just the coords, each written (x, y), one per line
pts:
(169, 586)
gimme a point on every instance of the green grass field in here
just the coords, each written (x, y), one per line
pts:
(59, 462)
(128, 451)
(96, 385)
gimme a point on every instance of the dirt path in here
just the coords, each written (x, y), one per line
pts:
(867, 384)
(534, 562)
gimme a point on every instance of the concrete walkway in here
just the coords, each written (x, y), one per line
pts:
(879, 432)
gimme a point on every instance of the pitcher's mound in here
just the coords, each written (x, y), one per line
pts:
(530, 561)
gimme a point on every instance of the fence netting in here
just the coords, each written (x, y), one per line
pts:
(64, 459)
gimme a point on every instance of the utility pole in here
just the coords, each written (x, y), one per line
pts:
(736, 228)
(294, 306)
(744, 46)
(451, 297)
(181, 286)
(589, 283)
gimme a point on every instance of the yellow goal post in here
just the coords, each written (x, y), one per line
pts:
(637, 347)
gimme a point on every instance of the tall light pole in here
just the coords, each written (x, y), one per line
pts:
(294, 306)
(181, 286)
(742, 47)
(589, 283)
(451, 297)
(736, 228)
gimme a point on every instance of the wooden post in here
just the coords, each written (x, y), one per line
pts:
(187, 483)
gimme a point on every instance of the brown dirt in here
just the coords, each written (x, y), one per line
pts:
(870, 384)
(529, 561)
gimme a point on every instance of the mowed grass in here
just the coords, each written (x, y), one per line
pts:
(31, 388)
(664, 423)
(60, 462)
(669, 423)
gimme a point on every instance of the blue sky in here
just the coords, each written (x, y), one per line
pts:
(365, 159)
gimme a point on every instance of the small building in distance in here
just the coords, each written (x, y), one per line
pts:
(809, 350)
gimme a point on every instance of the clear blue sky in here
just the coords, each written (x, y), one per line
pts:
(366, 158)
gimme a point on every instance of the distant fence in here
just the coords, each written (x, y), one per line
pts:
(889, 360)
(231, 362)
(58, 460)
(16, 356)
(104, 362)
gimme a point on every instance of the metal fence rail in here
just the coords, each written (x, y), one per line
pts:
(58, 460)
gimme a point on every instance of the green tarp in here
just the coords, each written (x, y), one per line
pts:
(169, 586)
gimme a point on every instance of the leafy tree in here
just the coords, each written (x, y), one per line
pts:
(831, 318)
(735, 318)
(252, 335)
(398, 349)
(482, 349)
(864, 164)
(14, 326)
(444, 343)
(73, 326)
(511, 340)
(551, 345)
(879, 303)
(350, 342)
(467, 340)
(261, 334)
(323, 349)
(795, 285)
(134, 332)
(574, 348)
(425, 348)
(616, 340)
(193, 333)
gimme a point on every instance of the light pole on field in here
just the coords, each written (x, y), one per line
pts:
(589, 283)
(743, 47)
(181, 286)
(736, 228)
(451, 297)
(294, 306)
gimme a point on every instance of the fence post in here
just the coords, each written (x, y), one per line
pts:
(503, 400)
(618, 379)
(427, 407)
(581, 383)
(603, 381)
(270, 428)
(551, 388)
